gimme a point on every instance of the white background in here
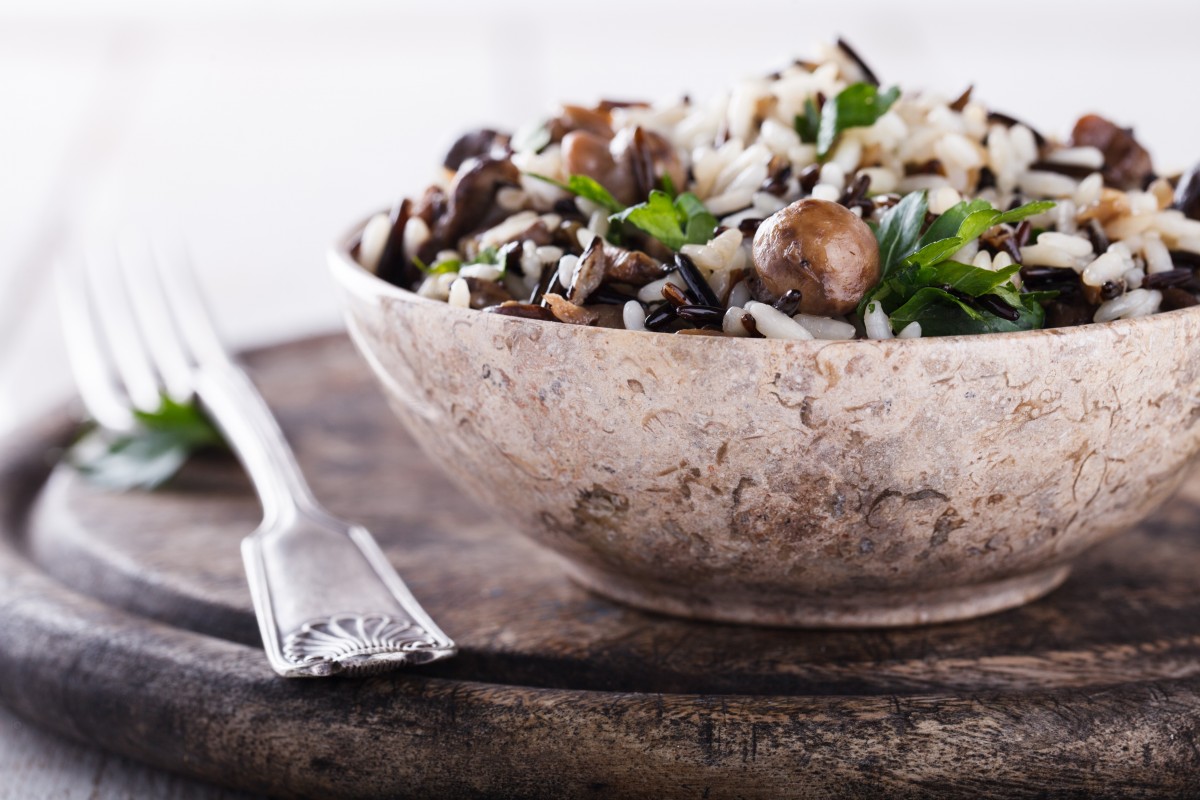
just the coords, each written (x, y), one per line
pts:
(259, 131)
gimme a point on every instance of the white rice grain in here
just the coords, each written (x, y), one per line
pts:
(634, 316)
(1089, 157)
(1089, 190)
(1075, 245)
(846, 156)
(731, 323)
(1107, 267)
(958, 152)
(1158, 258)
(485, 272)
(566, 269)
(416, 234)
(825, 327)
(739, 295)
(437, 287)
(1043, 255)
(876, 322)
(910, 331)
(824, 191)
(508, 230)
(511, 199)
(1046, 184)
(1024, 144)
(652, 292)
(943, 199)
(586, 236)
(598, 222)
(833, 175)
(882, 180)
(1138, 303)
(374, 239)
(774, 324)
(460, 294)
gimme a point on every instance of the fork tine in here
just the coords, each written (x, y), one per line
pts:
(150, 309)
(125, 342)
(85, 353)
(188, 307)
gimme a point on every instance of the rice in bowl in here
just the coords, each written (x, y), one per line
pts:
(811, 203)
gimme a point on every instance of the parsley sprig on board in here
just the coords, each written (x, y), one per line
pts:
(151, 454)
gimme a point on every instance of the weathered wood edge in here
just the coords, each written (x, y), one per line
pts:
(212, 709)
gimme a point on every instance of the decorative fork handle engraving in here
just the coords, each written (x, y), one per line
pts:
(327, 599)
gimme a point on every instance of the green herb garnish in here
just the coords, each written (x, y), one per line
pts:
(151, 454)
(586, 187)
(675, 220)
(675, 223)
(920, 284)
(857, 106)
(438, 267)
(809, 125)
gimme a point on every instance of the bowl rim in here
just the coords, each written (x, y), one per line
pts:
(354, 277)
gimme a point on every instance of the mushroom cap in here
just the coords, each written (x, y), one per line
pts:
(821, 249)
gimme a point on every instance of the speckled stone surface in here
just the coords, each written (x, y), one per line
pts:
(795, 483)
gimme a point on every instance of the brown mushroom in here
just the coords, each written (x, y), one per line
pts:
(597, 121)
(475, 144)
(523, 310)
(1187, 193)
(393, 266)
(472, 196)
(585, 153)
(603, 262)
(630, 266)
(820, 249)
(487, 293)
(651, 157)
(1126, 163)
(589, 272)
(566, 311)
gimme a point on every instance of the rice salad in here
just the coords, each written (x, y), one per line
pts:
(815, 202)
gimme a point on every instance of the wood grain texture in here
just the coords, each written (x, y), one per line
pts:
(35, 764)
(1091, 692)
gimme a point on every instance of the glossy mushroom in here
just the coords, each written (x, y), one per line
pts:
(821, 249)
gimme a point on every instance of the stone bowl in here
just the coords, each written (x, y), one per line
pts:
(809, 484)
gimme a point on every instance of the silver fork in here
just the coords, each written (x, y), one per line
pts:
(326, 597)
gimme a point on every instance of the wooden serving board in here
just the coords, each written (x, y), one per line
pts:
(126, 622)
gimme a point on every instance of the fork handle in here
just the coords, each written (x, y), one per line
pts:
(326, 598)
(251, 430)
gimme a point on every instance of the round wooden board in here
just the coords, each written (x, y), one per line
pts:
(127, 623)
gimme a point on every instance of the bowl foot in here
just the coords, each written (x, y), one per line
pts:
(880, 610)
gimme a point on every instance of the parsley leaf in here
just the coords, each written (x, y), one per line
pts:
(809, 125)
(857, 106)
(899, 231)
(586, 187)
(438, 267)
(151, 454)
(920, 284)
(675, 223)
